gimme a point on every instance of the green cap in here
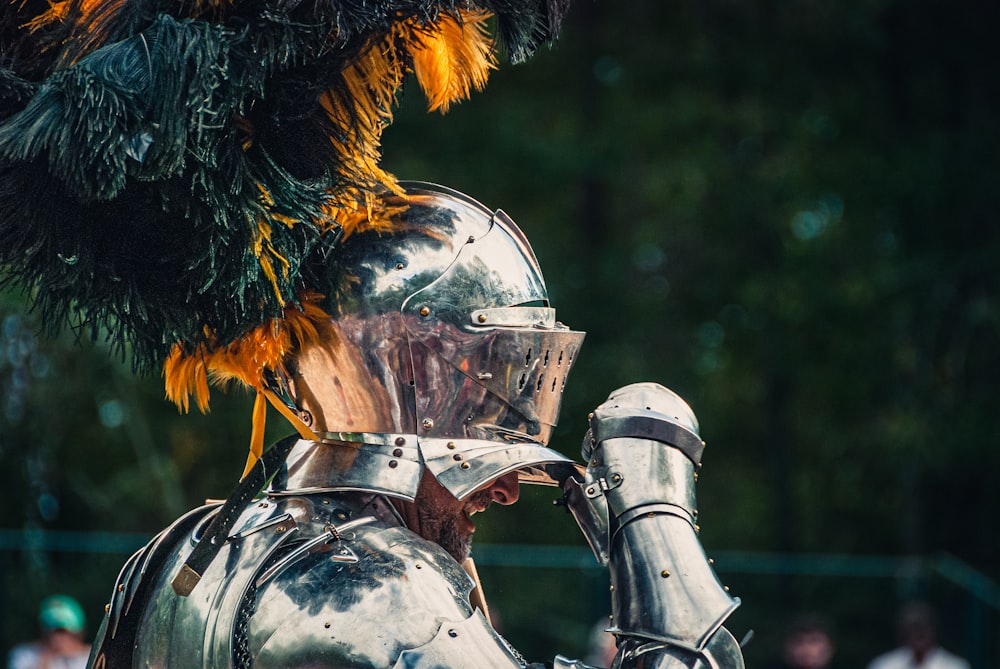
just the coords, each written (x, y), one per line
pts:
(61, 612)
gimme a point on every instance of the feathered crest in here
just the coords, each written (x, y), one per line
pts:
(174, 172)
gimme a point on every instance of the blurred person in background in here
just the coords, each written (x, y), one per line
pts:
(61, 646)
(917, 628)
(808, 643)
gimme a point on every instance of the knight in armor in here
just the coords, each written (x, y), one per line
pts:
(431, 396)
(199, 183)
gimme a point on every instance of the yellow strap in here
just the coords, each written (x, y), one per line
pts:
(290, 416)
(260, 419)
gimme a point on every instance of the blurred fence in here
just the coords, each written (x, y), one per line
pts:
(549, 598)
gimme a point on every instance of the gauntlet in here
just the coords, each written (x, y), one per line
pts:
(636, 507)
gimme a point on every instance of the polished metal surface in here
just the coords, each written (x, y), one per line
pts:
(721, 652)
(442, 333)
(562, 662)
(668, 606)
(467, 644)
(392, 467)
(326, 580)
(664, 587)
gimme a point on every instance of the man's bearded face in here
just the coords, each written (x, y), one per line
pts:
(447, 521)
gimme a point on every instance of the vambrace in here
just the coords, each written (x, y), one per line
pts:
(636, 507)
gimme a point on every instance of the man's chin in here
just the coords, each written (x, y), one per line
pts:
(456, 545)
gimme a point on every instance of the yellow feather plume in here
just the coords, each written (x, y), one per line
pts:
(452, 59)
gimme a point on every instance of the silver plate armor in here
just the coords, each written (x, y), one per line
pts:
(329, 581)
(637, 509)
(445, 357)
(445, 349)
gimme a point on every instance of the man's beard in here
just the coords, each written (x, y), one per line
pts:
(443, 529)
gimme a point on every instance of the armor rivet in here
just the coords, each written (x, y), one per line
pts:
(393, 464)
(590, 491)
(452, 633)
(697, 528)
(665, 573)
(427, 423)
(457, 457)
(696, 477)
(711, 560)
(419, 566)
(616, 478)
(326, 501)
(425, 311)
(465, 465)
(121, 587)
(326, 625)
(107, 607)
(400, 441)
(451, 444)
(726, 588)
(400, 265)
(651, 515)
(612, 588)
(482, 318)
(593, 463)
(280, 529)
(590, 416)
(397, 453)
(342, 516)
(306, 418)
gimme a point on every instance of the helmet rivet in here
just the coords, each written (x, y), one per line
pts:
(465, 465)
(427, 423)
(400, 265)
(457, 457)
(425, 311)
(482, 318)
(393, 464)
(451, 444)
(665, 573)
(398, 452)
(452, 633)
(400, 441)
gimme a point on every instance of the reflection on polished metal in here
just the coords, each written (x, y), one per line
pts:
(444, 334)
(323, 578)
(637, 508)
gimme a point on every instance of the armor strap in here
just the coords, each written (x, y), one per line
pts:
(218, 531)
(477, 598)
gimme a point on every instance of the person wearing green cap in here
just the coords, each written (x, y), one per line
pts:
(61, 646)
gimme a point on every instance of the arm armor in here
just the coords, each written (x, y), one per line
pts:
(637, 509)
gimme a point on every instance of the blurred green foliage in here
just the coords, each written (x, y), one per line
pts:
(784, 211)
